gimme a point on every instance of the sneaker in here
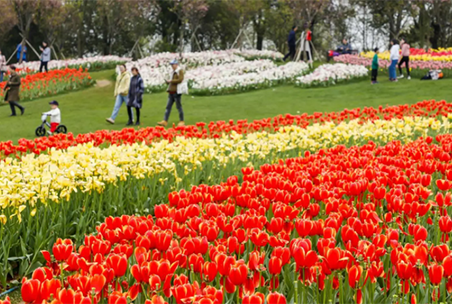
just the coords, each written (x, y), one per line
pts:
(129, 123)
(50, 133)
(181, 124)
(110, 121)
(400, 77)
(162, 123)
(137, 123)
(409, 77)
(22, 111)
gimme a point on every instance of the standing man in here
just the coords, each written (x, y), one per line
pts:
(19, 51)
(45, 56)
(174, 93)
(121, 91)
(12, 92)
(291, 41)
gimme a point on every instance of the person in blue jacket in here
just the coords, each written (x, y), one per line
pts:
(291, 41)
(19, 50)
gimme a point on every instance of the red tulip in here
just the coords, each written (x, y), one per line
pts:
(276, 298)
(354, 275)
(30, 290)
(257, 298)
(118, 263)
(436, 273)
(62, 249)
(238, 273)
(275, 265)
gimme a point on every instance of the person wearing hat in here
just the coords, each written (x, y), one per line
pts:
(12, 90)
(174, 93)
(55, 115)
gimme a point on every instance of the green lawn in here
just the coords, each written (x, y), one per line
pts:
(86, 110)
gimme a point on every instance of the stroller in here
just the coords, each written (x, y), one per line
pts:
(41, 130)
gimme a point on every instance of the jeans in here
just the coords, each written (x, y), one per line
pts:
(392, 69)
(43, 65)
(13, 104)
(405, 59)
(174, 98)
(119, 101)
(1, 76)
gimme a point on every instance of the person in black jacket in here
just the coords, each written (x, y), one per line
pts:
(291, 41)
(135, 96)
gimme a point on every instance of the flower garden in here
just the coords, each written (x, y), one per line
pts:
(329, 207)
(295, 208)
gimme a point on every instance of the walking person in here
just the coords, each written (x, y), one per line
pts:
(291, 41)
(135, 97)
(45, 57)
(394, 59)
(3, 66)
(12, 92)
(405, 59)
(375, 67)
(122, 87)
(175, 91)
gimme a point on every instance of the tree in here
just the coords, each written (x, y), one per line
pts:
(245, 12)
(111, 17)
(24, 11)
(307, 11)
(9, 18)
(189, 12)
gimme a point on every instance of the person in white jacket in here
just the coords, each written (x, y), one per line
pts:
(55, 115)
(394, 59)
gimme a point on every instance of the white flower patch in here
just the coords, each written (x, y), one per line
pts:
(331, 74)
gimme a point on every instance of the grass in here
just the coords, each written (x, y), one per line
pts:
(85, 111)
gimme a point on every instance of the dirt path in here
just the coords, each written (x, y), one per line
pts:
(103, 83)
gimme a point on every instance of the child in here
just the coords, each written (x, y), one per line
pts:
(375, 67)
(55, 116)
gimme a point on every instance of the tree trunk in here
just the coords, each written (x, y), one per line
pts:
(181, 39)
(260, 41)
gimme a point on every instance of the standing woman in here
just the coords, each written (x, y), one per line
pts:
(3, 66)
(12, 93)
(394, 59)
(135, 96)
(405, 58)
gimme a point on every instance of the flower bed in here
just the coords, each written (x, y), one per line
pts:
(331, 74)
(105, 138)
(256, 54)
(218, 72)
(248, 76)
(417, 68)
(54, 82)
(441, 55)
(69, 191)
(360, 224)
(95, 63)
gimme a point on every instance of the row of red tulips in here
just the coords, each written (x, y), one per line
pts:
(430, 108)
(365, 223)
(51, 83)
